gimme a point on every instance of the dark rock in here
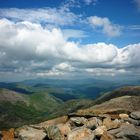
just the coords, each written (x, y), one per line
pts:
(135, 115)
(132, 121)
(126, 131)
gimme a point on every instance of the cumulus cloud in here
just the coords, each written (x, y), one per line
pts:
(29, 48)
(106, 26)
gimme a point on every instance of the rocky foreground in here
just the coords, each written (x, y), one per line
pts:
(116, 119)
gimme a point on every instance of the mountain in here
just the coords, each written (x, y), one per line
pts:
(67, 89)
(22, 108)
(113, 116)
(123, 91)
(124, 104)
(17, 109)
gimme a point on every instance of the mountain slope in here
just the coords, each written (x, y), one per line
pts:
(124, 104)
(123, 91)
(122, 100)
(17, 109)
(118, 117)
(12, 96)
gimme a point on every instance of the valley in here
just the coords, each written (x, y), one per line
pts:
(34, 101)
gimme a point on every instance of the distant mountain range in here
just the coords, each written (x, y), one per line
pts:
(67, 89)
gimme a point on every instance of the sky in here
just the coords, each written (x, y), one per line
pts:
(69, 39)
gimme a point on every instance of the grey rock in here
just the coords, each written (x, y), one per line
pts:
(78, 120)
(54, 133)
(135, 115)
(126, 131)
(93, 123)
(29, 133)
(132, 121)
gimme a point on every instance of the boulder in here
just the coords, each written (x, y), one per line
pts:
(81, 133)
(8, 135)
(133, 121)
(48, 123)
(54, 133)
(93, 123)
(64, 128)
(29, 133)
(79, 121)
(100, 130)
(111, 124)
(126, 131)
(135, 115)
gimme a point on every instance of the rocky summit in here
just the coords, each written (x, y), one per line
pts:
(116, 119)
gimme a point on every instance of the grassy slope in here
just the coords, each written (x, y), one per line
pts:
(20, 109)
(44, 101)
(40, 106)
(14, 115)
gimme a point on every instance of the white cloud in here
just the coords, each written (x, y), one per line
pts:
(71, 4)
(71, 33)
(54, 16)
(110, 29)
(29, 48)
(133, 27)
(88, 2)
(77, 3)
(106, 72)
(63, 67)
(49, 73)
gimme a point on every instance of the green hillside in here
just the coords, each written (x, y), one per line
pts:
(17, 109)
